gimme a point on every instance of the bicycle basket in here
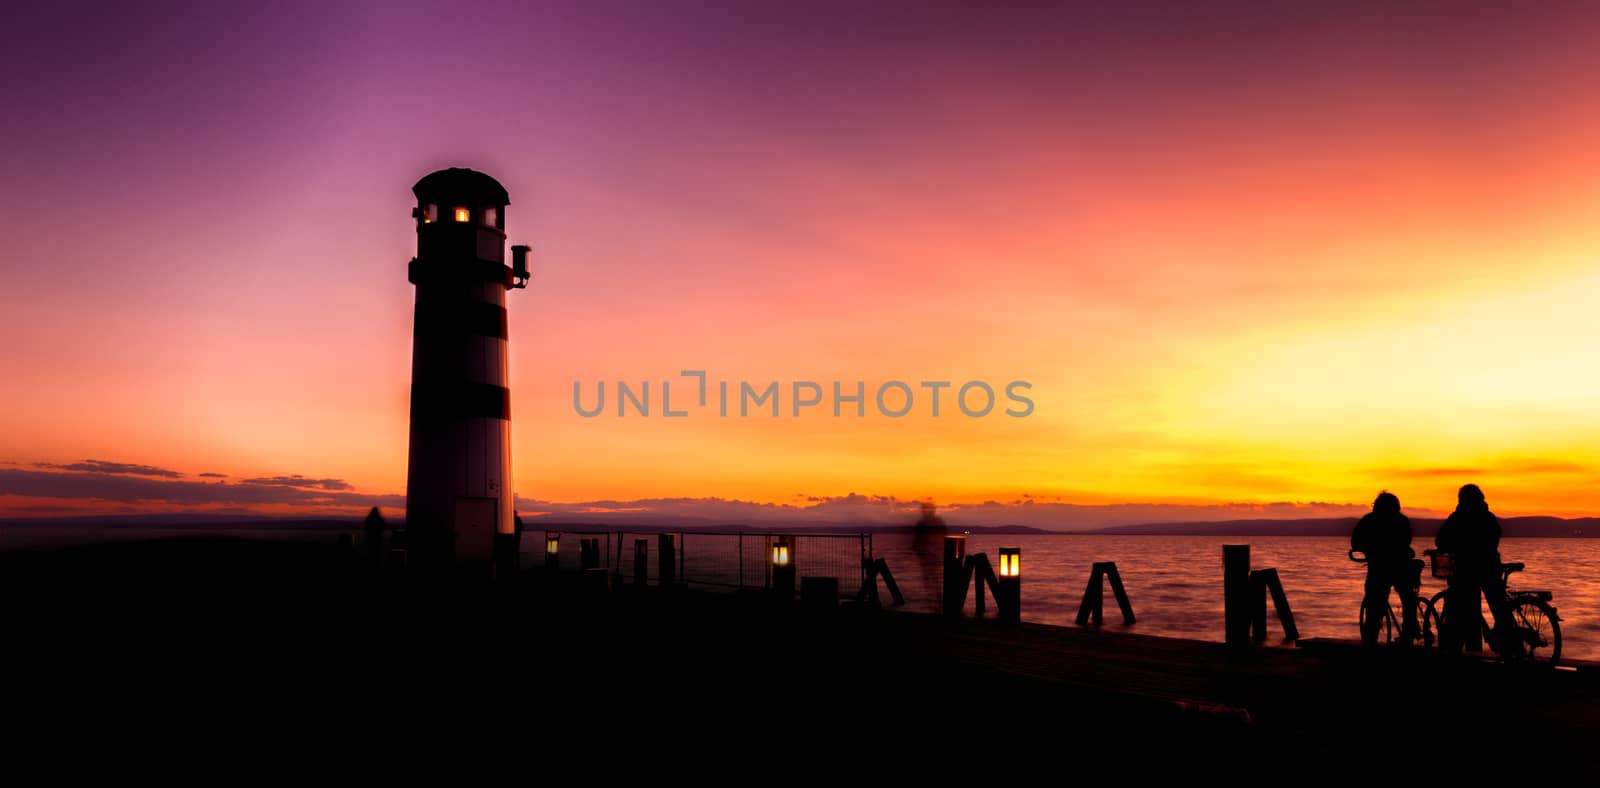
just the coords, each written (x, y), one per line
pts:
(1441, 562)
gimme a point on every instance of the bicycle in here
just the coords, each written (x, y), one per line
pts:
(1534, 619)
(1427, 620)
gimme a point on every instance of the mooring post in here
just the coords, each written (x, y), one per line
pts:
(1008, 589)
(1258, 605)
(1236, 594)
(1092, 607)
(1120, 593)
(979, 562)
(552, 550)
(783, 565)
(588, 553)
(641, 562)
(888, 581)
(1280, 603)
(667, 560)
(955, 574)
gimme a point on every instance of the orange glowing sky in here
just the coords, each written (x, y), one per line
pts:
(1242, 259)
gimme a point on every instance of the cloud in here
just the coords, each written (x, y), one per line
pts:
(1432, 473)
(136, 489)
(298, 481)
(102, 466)
(214, 475)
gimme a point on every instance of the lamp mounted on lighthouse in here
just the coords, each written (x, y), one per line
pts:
(459, 505)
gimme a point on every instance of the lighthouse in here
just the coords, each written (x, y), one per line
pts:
(459, 506)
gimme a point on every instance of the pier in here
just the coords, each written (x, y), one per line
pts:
(579, 665)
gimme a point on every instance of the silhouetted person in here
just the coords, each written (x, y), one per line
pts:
(1384, 535)
(927, 545)
(373, 531)
(1471, 535)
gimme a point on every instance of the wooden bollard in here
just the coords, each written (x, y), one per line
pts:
(1008, 587)
(1236, 593)
(552, 550)
(1264, 583)
(667, 560)
(783, 564)
(641, 562)
(955, 574)
(882, 567)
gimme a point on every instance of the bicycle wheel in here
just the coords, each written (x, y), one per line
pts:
(1427, 623)
(1386, 633)
(1539, 627)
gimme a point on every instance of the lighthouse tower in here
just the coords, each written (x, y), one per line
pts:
(459, 506)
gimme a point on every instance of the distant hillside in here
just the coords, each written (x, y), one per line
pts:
(1341, 526)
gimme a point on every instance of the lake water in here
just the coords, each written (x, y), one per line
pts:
(1175, 582)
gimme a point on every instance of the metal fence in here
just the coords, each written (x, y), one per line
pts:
(729, 560)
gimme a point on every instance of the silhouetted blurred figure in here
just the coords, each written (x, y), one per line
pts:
(927, 544)
(1384, 535)
(373, 532)
(1471, 535)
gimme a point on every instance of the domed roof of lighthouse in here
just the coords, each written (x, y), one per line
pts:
(461, 185)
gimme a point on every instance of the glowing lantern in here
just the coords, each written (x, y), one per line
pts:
(780, 555)
(1011, 562)
(463, 215)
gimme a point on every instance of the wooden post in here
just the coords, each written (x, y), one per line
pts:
(979, 563)
(667, 560)
(1280, 603)
(1093, 603)
(1258, 605)
(1236, 594)
(955, 575)
(641, 562)
(1120, 593)
(888, 580)
(588, 553)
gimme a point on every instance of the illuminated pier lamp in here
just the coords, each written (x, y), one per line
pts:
(1008, 598)
(552, 550)
(783, 566)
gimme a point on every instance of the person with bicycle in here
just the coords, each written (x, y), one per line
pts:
(1471, 535)
(1384, 535)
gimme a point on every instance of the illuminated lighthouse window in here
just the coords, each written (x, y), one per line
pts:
(489, 216)
(463, 215)
(430, 214)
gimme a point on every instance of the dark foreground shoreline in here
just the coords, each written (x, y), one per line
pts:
(208, 643)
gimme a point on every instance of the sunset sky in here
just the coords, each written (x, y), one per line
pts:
(1247, 256)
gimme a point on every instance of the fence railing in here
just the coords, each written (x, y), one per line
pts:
(714, 559)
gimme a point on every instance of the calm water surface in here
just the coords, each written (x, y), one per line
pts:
(1175, 582)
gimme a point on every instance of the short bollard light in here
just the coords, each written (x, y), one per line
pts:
(1009, 598)
(783, 560)
(552, 549)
